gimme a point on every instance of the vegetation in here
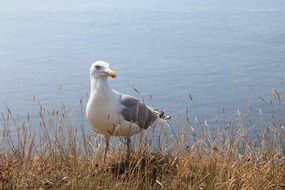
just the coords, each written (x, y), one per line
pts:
(49, 151)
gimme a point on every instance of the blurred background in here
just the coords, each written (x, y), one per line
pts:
(226, 54)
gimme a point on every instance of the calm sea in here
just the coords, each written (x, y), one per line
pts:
(225, 54)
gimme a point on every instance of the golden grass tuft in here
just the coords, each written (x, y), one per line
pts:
(57, 155)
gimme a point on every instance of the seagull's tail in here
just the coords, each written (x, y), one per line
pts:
(162, 119)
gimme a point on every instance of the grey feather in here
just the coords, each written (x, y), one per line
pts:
(137, 112)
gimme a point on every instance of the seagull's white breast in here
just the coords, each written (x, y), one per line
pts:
(103, 113)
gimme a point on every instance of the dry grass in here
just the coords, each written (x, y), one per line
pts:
(57, 155)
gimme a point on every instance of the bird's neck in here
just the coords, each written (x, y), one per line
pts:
(100, 86)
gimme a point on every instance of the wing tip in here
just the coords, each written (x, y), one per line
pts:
(162, 115)
(166, 117)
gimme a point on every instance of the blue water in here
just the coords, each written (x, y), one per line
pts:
(226, 54)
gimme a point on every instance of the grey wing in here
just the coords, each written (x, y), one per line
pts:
(135, 111)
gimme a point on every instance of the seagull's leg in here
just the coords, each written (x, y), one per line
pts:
(106, 148)
(128, 139)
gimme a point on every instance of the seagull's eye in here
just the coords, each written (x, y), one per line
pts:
(98, 67)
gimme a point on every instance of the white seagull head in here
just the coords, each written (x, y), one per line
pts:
(101, 70)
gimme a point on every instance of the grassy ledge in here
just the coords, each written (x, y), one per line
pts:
(58, 155)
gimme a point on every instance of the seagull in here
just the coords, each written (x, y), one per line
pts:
(112, 113)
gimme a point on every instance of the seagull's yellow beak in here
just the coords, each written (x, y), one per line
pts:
(111, 73)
